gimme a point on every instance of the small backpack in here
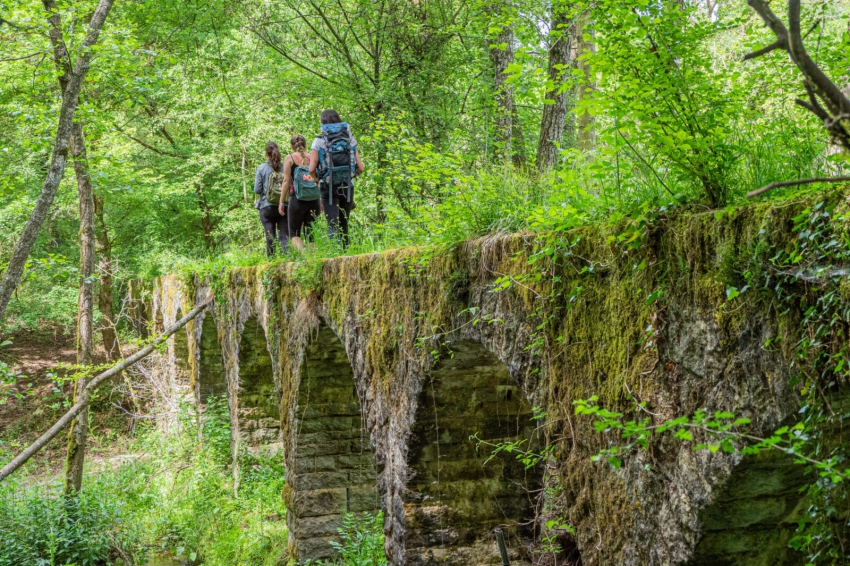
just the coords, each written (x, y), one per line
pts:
(275, 189)
(306, 188)
(338, 162)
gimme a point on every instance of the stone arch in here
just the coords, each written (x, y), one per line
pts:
(212, 376)
(754, 515)
(453, 499)
(258, 405)
(331, 467)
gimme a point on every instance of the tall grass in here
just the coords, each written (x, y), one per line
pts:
(175, 498)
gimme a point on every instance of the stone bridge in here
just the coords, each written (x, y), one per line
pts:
(373, 375)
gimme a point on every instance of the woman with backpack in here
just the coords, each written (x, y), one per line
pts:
(268, 184)
(304, 202)
(335, 162)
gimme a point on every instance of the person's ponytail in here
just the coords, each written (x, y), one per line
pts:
(299, 145)
(273, 155)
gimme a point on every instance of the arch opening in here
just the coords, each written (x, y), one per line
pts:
(212, 380)
(259, 408)
(455, 498)
(333, 471)
(754, 515)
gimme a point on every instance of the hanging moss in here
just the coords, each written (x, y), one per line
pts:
(634, 311)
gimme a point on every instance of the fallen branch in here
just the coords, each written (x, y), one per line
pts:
(66, 419)
(797, 182)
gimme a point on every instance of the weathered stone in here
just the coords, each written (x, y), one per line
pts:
(320, 502)
(319, 480)
(702, 352)
(322, 526)
(316, 548)
(363, 498)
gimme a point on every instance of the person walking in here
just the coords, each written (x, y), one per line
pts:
(335, 161)
(268, 184)
(305, 203)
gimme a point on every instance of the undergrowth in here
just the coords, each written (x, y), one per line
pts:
(174, 498)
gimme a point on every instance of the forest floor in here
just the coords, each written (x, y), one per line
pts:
(44, 360)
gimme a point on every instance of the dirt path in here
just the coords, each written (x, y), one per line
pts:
(45, 400)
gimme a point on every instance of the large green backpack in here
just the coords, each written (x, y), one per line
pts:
(306, 188)
(275, 188)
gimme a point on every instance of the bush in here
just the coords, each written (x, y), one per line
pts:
(41, 526)
(362, 540)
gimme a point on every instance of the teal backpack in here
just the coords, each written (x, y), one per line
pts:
(306, 188)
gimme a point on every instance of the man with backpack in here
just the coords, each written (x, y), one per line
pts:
(335, 161)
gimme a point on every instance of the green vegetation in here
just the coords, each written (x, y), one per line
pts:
(181, 100)
(172, 497)
(655, 113)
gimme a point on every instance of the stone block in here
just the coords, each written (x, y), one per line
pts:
(319, 480)
(330, 448)
(744, 513)
(315, 549)
(327, 393)
(355, 461)
(310, 527)
(315, 464)
(327, 424)
(318, 502)
(320, 411)
(363, 498)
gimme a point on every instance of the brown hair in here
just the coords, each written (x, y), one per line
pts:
(273, 155)
(330, 116)
(299, 145)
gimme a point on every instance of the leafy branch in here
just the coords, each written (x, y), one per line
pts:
(720, 429)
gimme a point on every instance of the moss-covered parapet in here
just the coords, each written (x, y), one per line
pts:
(665, 310)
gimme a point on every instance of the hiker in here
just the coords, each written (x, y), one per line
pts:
(268, 184)
(335, 161)
(304, 198)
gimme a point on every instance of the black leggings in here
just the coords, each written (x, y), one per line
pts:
(300, 215)
(274, 226)
(337, 215)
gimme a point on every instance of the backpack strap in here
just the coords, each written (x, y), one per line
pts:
(329, 167)
(301, 164)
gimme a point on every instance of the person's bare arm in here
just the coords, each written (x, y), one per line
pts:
(314, 164)
(359, 167)
(287, 180)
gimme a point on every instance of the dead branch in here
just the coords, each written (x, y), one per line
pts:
(826, 100)
(66, 419)
(776, 185)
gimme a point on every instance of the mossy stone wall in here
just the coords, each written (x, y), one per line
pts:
(334, 463)
(632, 312)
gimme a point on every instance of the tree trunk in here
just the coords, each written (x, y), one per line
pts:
(585, 122)
(519, 157)
(502, 55)
(554, 121)
(78, 432)
(58, 159)
(207, 222)
(85, 306)
(108, 334)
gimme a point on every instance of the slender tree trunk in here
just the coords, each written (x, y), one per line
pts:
(58, 159)
(108, 334)
(585, 122)
(78, 432)
(519, 157)
(554, 123)
(502, 55)
(207, 222)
